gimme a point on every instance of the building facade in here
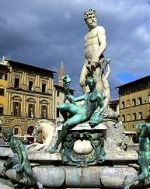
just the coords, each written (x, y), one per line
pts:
(26, 94)
(134, 102)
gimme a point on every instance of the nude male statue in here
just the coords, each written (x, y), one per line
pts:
(95, 45)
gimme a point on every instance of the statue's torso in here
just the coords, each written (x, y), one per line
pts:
(91, 42)
(90, 104)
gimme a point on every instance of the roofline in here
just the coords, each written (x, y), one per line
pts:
(140, 79)
(35, 67)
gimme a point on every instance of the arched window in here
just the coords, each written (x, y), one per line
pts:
(31, 110)
(139, 101)
(128, 117)
(123, 104)
(17, 108)
(128, 103)
(44, 111)
(133, 102)
(30, 130)
(134, 116)
(148, 98)
(16, 105)
(123, 118)
(140, 115)
(16, 130)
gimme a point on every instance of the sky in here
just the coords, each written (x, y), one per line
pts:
(43, 32)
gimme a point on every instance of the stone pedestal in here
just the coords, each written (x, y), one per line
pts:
(84, 145)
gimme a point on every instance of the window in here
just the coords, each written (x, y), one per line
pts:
(140, 115)
(43, 111)
(43, 87)
(139, 102)
(128, 103)
(149, 98)
(2, 76)
(30, 85)
(1, 110)
(16, 84)
(123, 118)
(134, 116)
(57, 93)
(133, 102)
(16, 131)
(128, 117)
(5, 76)
(122, 104)
(57, 112)
(31, 110)
(30, 130)
(1, 92)
(17, 108)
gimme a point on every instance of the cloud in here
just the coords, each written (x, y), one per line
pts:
(43, 32)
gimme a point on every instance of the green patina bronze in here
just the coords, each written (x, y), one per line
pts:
(97, 155)
(143, 155)
(20, 160)
(91, 110)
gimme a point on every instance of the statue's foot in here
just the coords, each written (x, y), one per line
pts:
(53, 150)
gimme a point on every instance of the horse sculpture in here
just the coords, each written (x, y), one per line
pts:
(49, 135)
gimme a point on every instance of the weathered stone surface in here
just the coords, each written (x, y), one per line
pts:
(116, 177)
(49, 176)
(83, 177)
(115, 137)
(82, 147)
(80, 177)
(1, 166)
(44, 156)
(5, 151)
(122, 156)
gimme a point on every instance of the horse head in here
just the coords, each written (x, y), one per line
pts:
(37, 129)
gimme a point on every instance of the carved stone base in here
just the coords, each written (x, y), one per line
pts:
(84, 145)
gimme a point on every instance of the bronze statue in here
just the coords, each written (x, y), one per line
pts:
(73, 114)
(20, 160)
(143, 155)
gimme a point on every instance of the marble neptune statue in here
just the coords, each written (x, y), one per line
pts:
(95, 45)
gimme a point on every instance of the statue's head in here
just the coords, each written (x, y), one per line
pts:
(7, 133)
(66, 81)
(90, 18)
(90, 82)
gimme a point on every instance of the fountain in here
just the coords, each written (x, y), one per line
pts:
(89, 148)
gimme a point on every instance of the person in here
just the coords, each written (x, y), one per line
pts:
(73, 114)
(20, 159)
(95, 45)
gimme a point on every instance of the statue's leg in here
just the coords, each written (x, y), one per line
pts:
(10, 163)
(106, 93)
(29, 172)
(144, 166)
(76, 119)
(83, 75)
(68, 108)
